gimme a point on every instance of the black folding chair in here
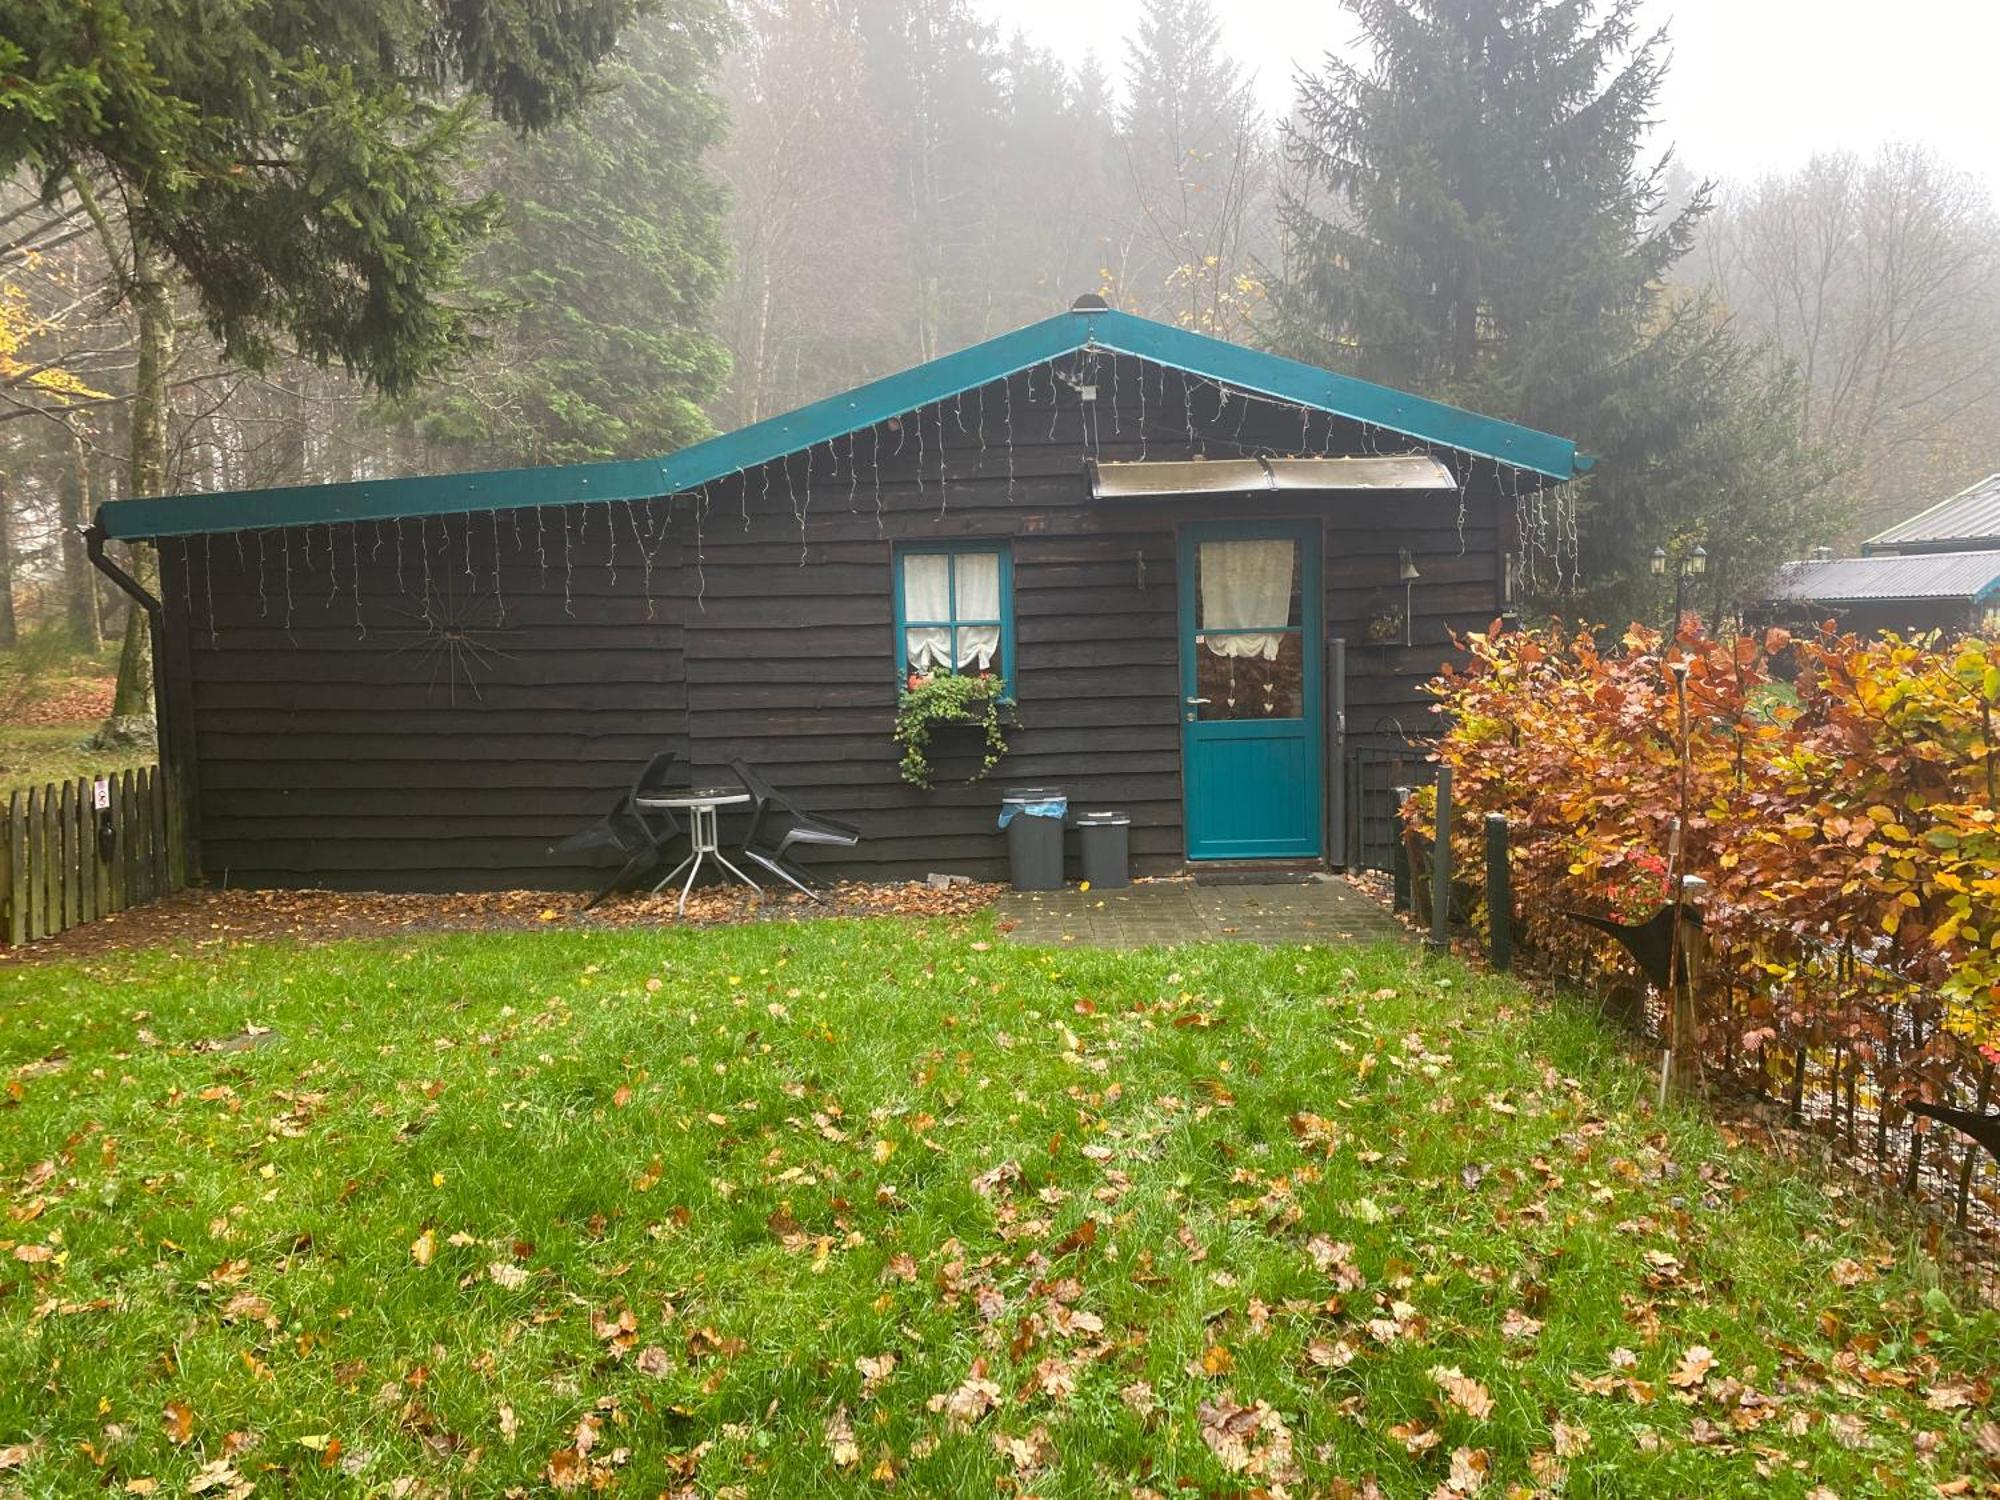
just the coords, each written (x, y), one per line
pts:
(639, 834)
(778, 826)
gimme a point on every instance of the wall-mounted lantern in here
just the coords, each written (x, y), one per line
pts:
(1406, 569)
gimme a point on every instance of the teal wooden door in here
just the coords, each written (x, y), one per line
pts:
(1251, 718)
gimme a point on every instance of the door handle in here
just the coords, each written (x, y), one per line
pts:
(1193, 701)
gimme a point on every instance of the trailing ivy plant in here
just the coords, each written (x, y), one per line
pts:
(949, 698)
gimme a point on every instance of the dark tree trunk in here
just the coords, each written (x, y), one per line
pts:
(8, 632)
(153, 309)
(79, 578)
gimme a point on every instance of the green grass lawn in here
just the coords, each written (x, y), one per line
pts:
(842, 1208)
(36, 756)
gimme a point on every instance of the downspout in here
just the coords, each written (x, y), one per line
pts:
(94, 538)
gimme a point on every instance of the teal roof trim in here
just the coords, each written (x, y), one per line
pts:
(865, 406)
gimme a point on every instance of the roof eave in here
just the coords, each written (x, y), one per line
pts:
(865, 406)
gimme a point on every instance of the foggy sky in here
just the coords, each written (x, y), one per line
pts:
(1756, 86)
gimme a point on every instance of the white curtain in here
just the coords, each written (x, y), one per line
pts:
(928, 580)
(1246, 584)
(978, 599)
(927, 596)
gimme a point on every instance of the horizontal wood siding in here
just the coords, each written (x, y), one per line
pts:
(344, 738)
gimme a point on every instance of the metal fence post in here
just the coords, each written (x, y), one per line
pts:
(1499, 893)
(1441, 866)
(1399, 855)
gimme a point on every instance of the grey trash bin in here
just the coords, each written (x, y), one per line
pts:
(1033, 817)
(1107, 849)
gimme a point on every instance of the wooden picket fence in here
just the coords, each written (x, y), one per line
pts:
(68, 861)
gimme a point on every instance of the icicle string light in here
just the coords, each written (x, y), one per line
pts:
(1008, 391)
(360, 626)
(920, 452)
(645, 556)
(286, 538)
(701, 560)
(875, 435)
(569, 568)
(499, 595)
(805, 505)
(853, 471)
(208, 581)
(332, 571)
(424, 556)
(263, 596)
(1142, 413)
(942, 480)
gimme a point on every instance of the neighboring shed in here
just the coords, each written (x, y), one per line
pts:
(1949, 591)
(424, 683)
(1968, 522)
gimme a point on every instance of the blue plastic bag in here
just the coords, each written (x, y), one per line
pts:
(1055, 807)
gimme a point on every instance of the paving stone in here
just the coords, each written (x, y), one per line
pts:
(1161, 913)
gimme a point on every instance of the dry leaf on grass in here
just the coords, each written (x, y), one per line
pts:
(1251, 1440)
(1469, 1468)
(874, 1370)
(840, 1440)
(973, 1399)
(1694, 1367)
(1571, 1440)
(1463, 1392)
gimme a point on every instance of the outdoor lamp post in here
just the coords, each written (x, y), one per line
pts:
(1692, 564)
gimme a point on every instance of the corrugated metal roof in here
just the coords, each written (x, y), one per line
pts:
(1932, 575)
(1286, 380)
(1238, 476)
(1972, 516)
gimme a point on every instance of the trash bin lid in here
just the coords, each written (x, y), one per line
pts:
(1034, 794)
(1105, 819)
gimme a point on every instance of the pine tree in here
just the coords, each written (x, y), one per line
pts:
(1195, 163)
(296, 165)
(1488, 232)
(609, 253)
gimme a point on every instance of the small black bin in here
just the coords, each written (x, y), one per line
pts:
(1106, 838)
(1033, 817)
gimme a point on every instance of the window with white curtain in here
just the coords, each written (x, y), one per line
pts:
(954, 610)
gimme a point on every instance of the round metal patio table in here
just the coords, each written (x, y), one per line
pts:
(701, 804)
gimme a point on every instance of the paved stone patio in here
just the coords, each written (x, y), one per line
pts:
(1163, 912)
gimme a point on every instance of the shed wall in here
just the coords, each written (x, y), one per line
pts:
(349, 734)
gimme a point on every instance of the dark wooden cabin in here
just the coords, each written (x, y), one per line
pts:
(425, 683)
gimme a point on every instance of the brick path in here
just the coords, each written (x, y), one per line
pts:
(1163, 912)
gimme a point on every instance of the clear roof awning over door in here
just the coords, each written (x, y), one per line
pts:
(1417, 472)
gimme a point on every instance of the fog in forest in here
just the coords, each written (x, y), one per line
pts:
(756, 204)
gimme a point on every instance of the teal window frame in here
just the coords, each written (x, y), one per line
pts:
(955, 550)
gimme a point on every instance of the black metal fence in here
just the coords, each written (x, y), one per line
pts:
(1839, 1047)
(1374, 820)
